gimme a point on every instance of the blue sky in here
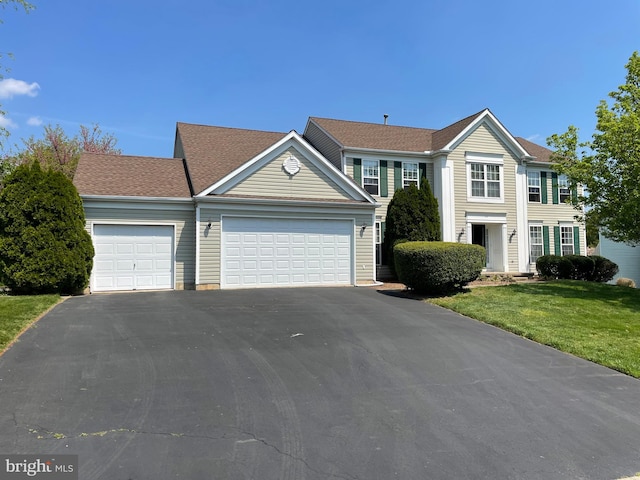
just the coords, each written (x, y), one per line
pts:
(136, 67)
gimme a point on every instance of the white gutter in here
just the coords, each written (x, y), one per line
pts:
(280, 201)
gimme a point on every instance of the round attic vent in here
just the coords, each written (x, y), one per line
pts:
(291, 165)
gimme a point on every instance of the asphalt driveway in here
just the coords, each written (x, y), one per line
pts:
(313, 383)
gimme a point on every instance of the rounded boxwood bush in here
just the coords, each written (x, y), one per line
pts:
(435, 267)
(582, 267)
(604, 269)
(554, 266)
(577, 267)
(44, 246)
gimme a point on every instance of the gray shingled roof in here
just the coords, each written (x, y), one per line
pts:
(407, 139)
(213, 152)
(124, 175)
(376, 135)
(541, 153)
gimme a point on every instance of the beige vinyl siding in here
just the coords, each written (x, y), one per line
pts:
(324, 144)
(184, 221)
(272, 181)
(210, 244)
(551, 214)
(381, 211)
(483, 140)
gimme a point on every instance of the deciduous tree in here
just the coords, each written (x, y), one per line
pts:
(608, 165)
(60, 153)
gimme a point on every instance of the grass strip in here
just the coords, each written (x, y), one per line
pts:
(18, 312)
(597, 322)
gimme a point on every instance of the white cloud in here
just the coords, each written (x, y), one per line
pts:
(7, 122)
(534, 138)
(34, 121)
(9, 87)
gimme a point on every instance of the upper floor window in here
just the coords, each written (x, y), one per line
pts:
(485, 180)
(564, 192)
(409, 174)
(370, 176)
(533, 183)
(566, 240)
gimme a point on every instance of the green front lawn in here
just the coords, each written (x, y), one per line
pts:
(594, 321)
(17, 312)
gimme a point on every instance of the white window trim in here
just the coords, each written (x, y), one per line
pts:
(377, 177)
(539, 187)
(417, 164)
(490, 161)
(564, 181)
(540, 226)
(571, 244)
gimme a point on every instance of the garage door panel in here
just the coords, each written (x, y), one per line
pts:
(124, 248)
(287, 252)
(129, 257)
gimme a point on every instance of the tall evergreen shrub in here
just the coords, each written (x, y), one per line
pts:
(412, 215)
(44, 246)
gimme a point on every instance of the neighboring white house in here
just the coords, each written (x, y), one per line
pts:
(242, 208)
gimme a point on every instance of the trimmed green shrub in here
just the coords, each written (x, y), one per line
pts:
(554, 266)
(44, 246)
(582, 267)
(577, 267)
(604, 269)
(412, 215)
(436, 267)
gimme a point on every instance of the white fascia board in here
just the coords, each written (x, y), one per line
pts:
(540, 164)
(335, 173)
(493, 123)
(290, 140)
(151, 203)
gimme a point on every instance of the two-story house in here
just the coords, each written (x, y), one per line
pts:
(236, 208)
(493, 189)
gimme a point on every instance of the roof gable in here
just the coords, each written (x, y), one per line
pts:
(271, 179)
(214, 152)
(486, 118)
(131, 176)
(269, 166)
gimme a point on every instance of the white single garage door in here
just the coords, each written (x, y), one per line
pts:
(285, 252)
(132, 257)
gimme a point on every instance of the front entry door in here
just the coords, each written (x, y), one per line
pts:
(480, 237)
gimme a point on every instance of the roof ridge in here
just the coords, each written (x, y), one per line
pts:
(230, 128)
(373, 123)
(123, 155)
(465, 119)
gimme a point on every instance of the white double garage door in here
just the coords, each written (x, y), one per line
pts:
(266, 252)
(255, 252)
